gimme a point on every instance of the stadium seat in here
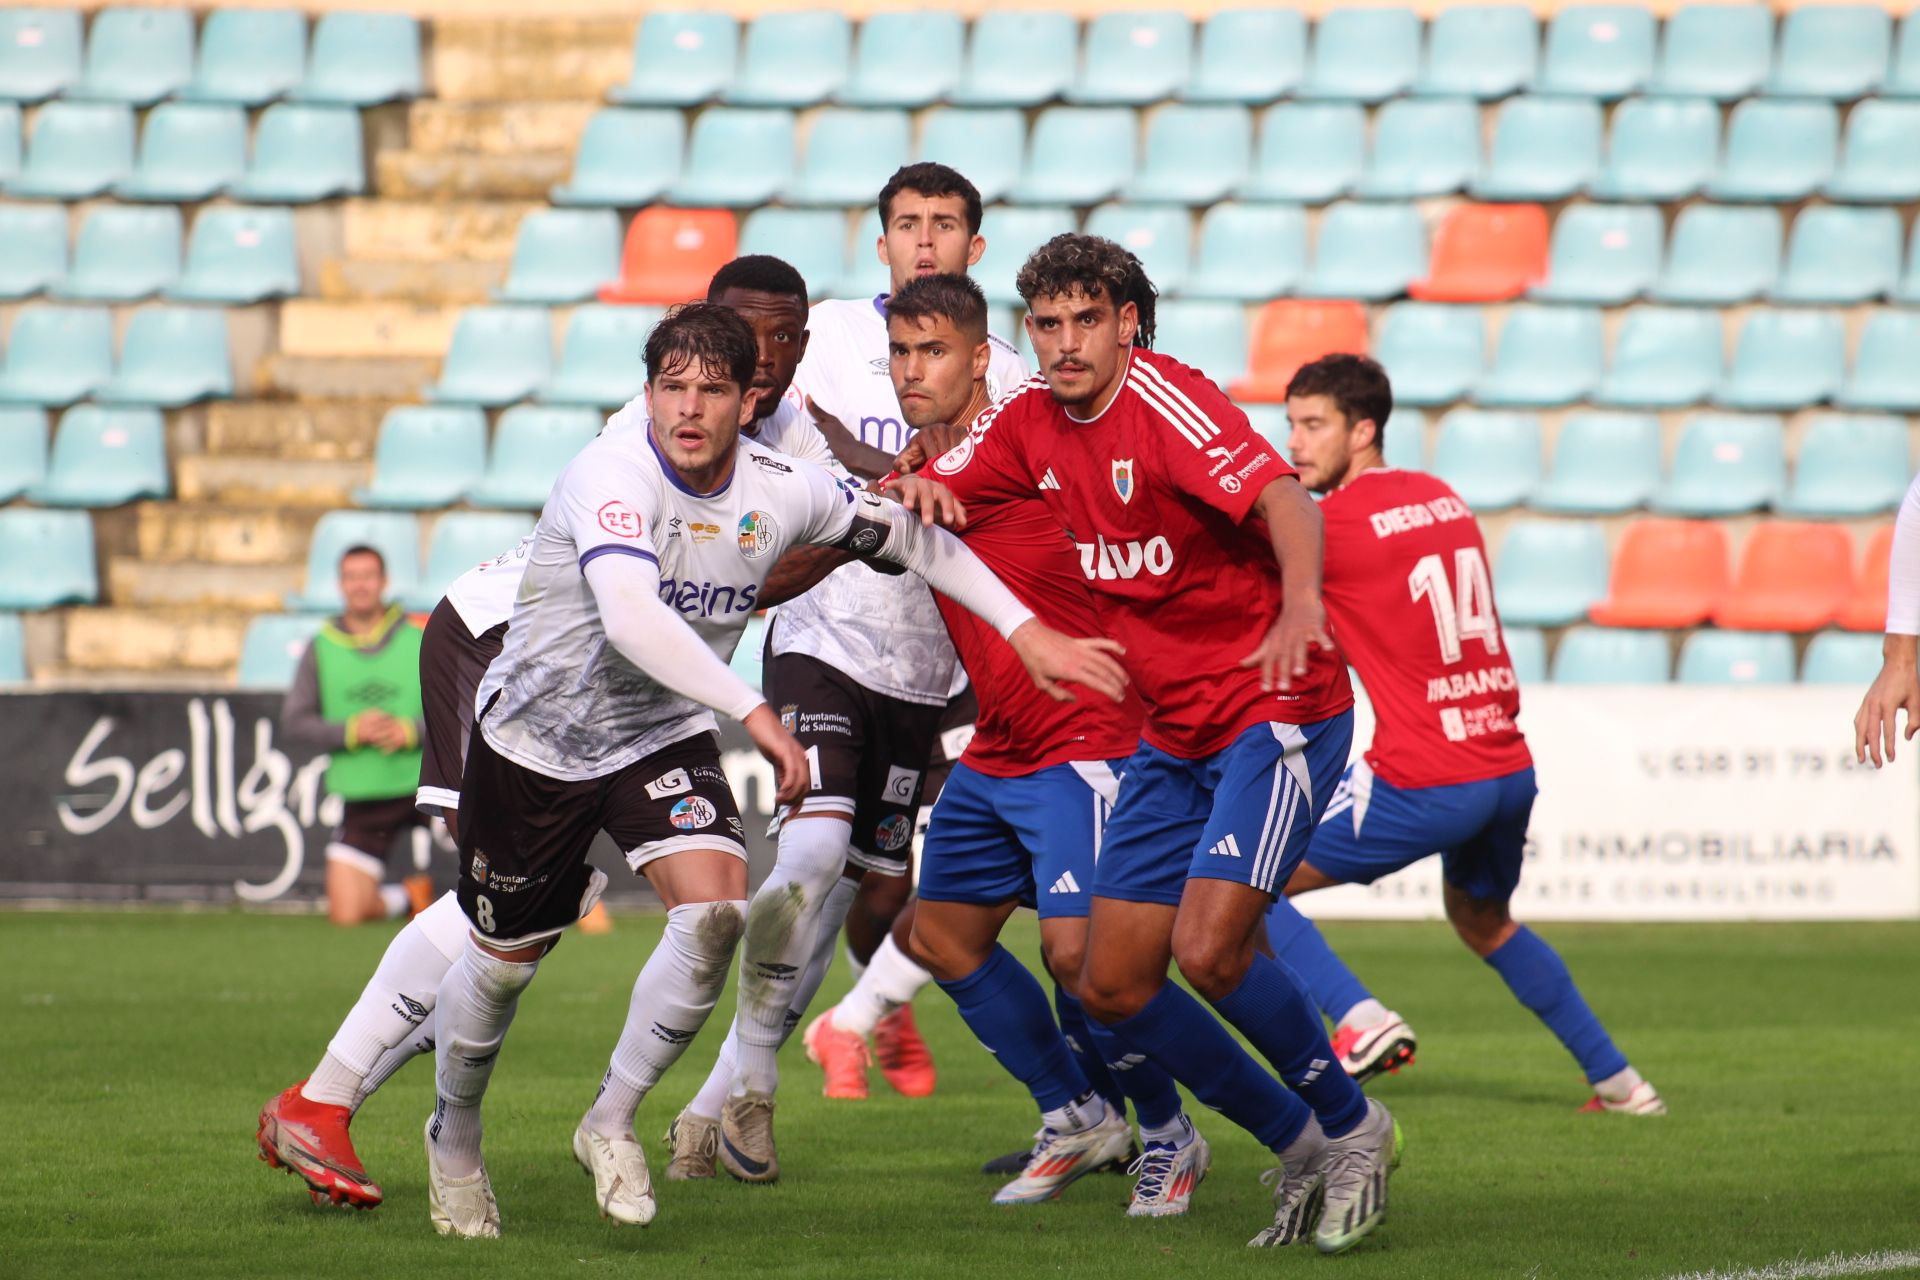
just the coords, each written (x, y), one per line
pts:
(1850, 466)
(498, 355)
(1363, 55)
(1486, 253)
(1550, 572)
(1736, 657)
(1598, 51)
(1367, 251)
(1792, 576)
(1909, 290)
(1210, 336)
(426, 456)
(1866, 610)
(9, 141)
(1406, 445)
(1011, 235)
(1903, 80)
(1880, 162)
(40, 53)
(1492, 460)
(813, 241)
(1545, 356)
(625, 158)
(46, 558)
(1479, 51)
(123, 255)
(1664, 358)
(360, 59)
(1019, 59)
(302, 154)
(1659, 149)
(738, 157)
(1604, 254)
(188, 152)
(1249, 56)
(1839, 256)
(1714, 51)
(1603, 464)
(600, 356)
(1077, 156)
(1721, 255)
(394, 534)
(1422, 147)
(1290, 332)
(271, 650)
(1786, 359)
(906, 59)
(1606, 655)
(1527, 650)
(104, 457)
(670, 255)
(1249, 252)
(1837, 52)
(1666, 573)
(1160, 235)
(531, 445)
(1778, 151)
(850, 156)
(75, 150)
(864, 275)
(1434, 354)
(793, 59)
(36, 256)
(136, 56)
(1194, 155)
(1885, 373)
(461, 540)
(1725, 464)
(23, 449)
(1837, 657)
(249, 57)
(1543, 149)
(13, 650)
(987, 146)
(172, 356)
(680, 59)
(1133, 58)
(1309, 152)
(562, 255)
(238, 255)
(57, 355)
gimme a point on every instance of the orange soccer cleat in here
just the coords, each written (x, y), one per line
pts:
(904, 1058)
(842, 1055)
(420, 894)
(309, 1139)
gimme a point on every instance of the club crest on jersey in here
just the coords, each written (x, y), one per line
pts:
(756, 534)
(893, 833)
(480, 869)
(691, 814)
(790, 717)
(955, 458)
(1123, 478)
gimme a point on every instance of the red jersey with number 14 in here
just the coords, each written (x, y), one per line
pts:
(1411, 604)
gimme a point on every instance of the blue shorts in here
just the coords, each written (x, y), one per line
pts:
(1032, 839)
(1244, 813)
(1479, 829)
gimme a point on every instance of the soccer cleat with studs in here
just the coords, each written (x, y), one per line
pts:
(309, 1140)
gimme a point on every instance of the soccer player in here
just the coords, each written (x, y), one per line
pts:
(1897, 687)
(1410, 596)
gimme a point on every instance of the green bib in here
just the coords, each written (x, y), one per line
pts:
(355, 678)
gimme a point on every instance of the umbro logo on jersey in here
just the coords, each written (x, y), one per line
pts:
(1065, 884)
(1227, 848)
(882, 364)
(1048, 481)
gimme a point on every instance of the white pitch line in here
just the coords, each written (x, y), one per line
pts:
(1828, 1268)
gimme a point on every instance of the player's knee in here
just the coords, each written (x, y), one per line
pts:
(943, 954)
(1065, 958)
(1483, 925)
(709, 929)
(1212, 965)
(1112, 994)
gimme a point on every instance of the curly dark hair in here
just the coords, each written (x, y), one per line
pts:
(713, 337)
(1356, 384)
(945, 296)
(931, 178)
(1095, 266)
(761, 273)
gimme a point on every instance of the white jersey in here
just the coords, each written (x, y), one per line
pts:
(884, 632)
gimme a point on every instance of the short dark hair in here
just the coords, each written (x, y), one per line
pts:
(1356, 384)
(946, 296)
(1097, 267)
(714, 338)
(931, 179)
(362, 549)
(762, 273)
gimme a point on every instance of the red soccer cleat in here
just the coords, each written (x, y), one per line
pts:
(309, 1139)
(904, 1058)
(842, 1055)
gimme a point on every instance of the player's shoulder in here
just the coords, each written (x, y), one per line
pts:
(835, 316)
(624, 454)
(783, 472)
(1391, 488)
(1181, 400)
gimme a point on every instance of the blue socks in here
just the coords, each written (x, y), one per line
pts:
(1004, 1006)
(1297, 942)
(1272, 1011)
(1085, 1049)
(1156, 1099)
(1539, 978)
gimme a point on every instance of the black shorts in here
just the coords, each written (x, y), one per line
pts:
(367, 830)
(452, 661)
(868, 753)
(524, 837)
(949, 741)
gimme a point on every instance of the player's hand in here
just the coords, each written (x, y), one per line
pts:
(1052, 658)
(1284, 651)
(791, 777)
(927, 444)
(1895, 689)
(932, 501)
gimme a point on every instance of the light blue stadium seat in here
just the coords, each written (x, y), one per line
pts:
(681, 58)
(1786, 359)
(812, 241)
(1012, 234)
(36, 256)
(271, 651)
(1479, 51)
(1161, 236)
(136, 56)
(23, 449)
(40, 53)
(793, 59)
(461, 540)
(1604, 254)
(738, 157)
(9, 141)
(56, 355)
(1422, 147)
(562, 255)
(1249, 252)
(747, 654)
(1841, 657)
(1778, 150)
(1367, 251)
(1132, 58)
(188, 152)
(1903, 80)
(1207, 335)
(1881, 161)
(103, 457)
(1249, 56)
(1725, 464)
(1527, 650)
(123, 255)
(239, 255)
(1547, 355)
(531, 445)
(626, 157)
(1885, 373)
(1850, 465)
(359, 59)
(986, 145)
(1714, 51)
(426, 456)
(249, 57)
(1311, 152)
(1543, 149)
(172, 356)
(1194, 154)
(1019, 59)
(1664, 358)
(1598, 51)
(1909, 290)
(906, 59)
(13, 650)
(1363, 55)
(1077, 156)
(46, 558)
(850, 156)
(1736, 657)
(1550, 572)
(1720, 256)
(1269, 422)
(600, 362)
(1660, 149)
(1603, 464)
(1839, 256)
(1406, 446)
(302, 154)
(1434, 353)
(75, 150)
(1492, 460)
(1838, 52)
(394, 534)
(498, 355)
(1611, 655)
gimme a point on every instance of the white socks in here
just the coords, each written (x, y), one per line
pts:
(890, 981)
(477, 1003)
(1175, 1133)
(1365, 1016)
(1081, 1113)
(394, 899)
(1619, 1086)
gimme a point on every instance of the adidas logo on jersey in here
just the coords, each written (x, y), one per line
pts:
(1048, 481)
(1227, 848)
(1065, 884)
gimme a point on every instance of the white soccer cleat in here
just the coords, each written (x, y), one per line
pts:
(746, 1138)
(1366, 1053)
(1061, 1159)
(622, 1187)
(1642, 1101)
(695, 1143)
(1357, 1165)
(461, 1206)
(1297, 1192)
(1167, 1177)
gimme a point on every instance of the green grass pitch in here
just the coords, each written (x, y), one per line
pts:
(135, 1050)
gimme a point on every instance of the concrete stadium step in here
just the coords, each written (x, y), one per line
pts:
(550, 59)
(288, 482)
(497, 128)
(432, 231)
(319, 378)
(337, 431)
(151, 639)
(132, 583)
(464, 175)
(361, 280)
(217, 534)
(333, 330)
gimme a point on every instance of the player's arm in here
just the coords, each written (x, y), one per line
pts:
(1897, 687)
(862, 460)
(300, 718)
(1293, 526)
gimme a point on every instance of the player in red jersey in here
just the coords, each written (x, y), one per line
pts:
(1411, 601)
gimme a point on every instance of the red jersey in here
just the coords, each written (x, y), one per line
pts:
(1155, 492)
(1411, 604)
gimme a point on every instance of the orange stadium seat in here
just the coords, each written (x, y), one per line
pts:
(1666, 573)
(1793, 576)
(671, 254)
(1866, 608)
(1290, 332)
(1486, 253)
